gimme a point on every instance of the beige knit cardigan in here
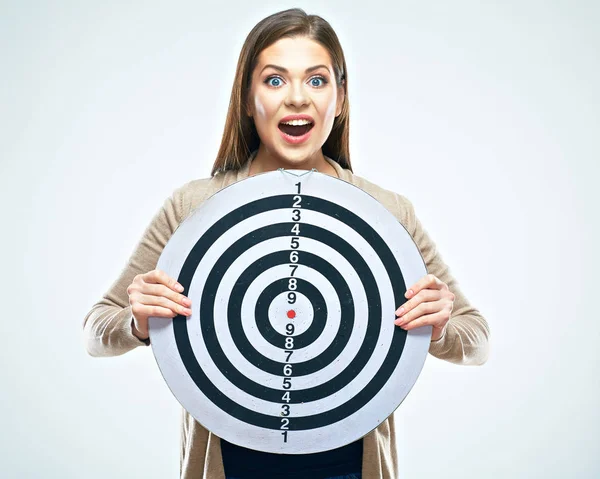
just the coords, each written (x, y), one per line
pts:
(107, 326)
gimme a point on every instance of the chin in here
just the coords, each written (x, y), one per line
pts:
(295, 157)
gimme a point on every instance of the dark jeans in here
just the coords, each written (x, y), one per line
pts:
(357, 475)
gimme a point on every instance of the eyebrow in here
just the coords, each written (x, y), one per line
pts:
(285, 70)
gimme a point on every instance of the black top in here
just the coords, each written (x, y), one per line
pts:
(250, 464)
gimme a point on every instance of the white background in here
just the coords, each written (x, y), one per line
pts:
(485, 115)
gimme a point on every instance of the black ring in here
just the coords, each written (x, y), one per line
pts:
(353, 404)
(266, 297)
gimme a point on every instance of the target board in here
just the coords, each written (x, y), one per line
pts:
(294, 278)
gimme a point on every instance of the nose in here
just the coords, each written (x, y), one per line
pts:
(297, 95)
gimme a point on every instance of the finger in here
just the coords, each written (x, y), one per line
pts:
(428, 281)
(159, 276)
(154, 289)
(422, 296)
(420, 310)
(139, 309)
(434, 319)
(163, 302)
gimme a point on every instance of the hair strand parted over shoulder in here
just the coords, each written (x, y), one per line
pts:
(240, 137)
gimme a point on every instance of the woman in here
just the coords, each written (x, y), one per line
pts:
(289, 109)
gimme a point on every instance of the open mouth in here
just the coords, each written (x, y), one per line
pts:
(293, 130)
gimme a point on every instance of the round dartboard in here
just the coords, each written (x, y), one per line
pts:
(294, 278)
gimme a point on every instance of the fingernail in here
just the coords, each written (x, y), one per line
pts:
(409, 293)
(400, 311)
(179, 287)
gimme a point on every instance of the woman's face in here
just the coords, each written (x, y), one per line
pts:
(294, 76)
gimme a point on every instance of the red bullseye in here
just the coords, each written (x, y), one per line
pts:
(291, 314)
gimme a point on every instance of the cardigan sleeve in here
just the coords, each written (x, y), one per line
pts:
(466, 337)
(107, 327)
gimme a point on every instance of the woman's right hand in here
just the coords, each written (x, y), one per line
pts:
(155, 294)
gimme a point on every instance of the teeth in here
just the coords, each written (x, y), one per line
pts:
(297, 122)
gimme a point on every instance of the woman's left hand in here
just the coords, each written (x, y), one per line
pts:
(430, 302)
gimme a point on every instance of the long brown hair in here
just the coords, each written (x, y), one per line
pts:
(240, 137)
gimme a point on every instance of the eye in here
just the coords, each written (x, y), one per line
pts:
(319, 77)
(272, 77)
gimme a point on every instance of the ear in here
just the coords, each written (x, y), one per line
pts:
(340, 99)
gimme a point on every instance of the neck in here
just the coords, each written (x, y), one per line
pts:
(264, 161)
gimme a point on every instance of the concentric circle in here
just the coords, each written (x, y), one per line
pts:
(294, 279)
